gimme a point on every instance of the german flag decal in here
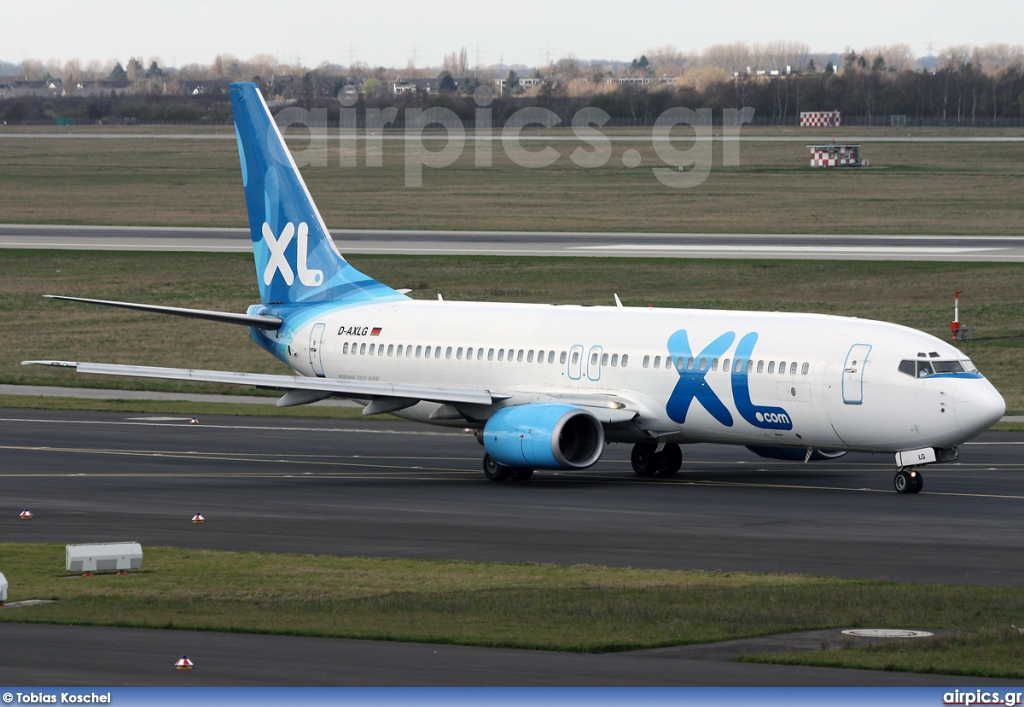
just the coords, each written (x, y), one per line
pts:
(375, 331)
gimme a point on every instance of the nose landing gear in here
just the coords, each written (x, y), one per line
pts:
(908, 481)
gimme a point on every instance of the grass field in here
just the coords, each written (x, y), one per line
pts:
(915, 294)
(581, 608)
(930, 188)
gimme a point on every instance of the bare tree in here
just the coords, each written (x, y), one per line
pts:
(666, 60)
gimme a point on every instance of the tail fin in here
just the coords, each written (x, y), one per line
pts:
(296, 260)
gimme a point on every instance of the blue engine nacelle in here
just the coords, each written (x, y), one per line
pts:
(796, 454)
(544, 436)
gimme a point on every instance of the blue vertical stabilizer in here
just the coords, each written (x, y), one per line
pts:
(296, 260)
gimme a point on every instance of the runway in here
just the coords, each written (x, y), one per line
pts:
(401, 490)
(532, 243)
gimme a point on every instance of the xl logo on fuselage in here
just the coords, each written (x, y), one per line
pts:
(278, 260)
(692, 384)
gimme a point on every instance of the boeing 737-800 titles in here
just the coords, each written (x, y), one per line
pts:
(548, 386)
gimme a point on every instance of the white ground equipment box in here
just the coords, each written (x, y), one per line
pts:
(104, 556)
(3, 588)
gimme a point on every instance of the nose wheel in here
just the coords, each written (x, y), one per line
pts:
(908, 481)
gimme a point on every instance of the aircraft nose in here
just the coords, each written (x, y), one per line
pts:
(977, 405)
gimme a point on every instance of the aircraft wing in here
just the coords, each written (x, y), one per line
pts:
(324, 386)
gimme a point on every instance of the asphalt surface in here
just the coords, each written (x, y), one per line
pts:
(401, 490)
(523, 243)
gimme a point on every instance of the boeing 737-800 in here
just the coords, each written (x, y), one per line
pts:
(548, 386)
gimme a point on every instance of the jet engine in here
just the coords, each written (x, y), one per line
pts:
(544, 436)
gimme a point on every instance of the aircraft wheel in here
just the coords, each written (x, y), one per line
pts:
(643, 459)
(520, 473)
(495, 471)
(669, 460)
(918, 482)
(904, 481)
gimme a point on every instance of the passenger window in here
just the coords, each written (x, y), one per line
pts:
(458, 354)
(501, 354)
(714, 364)
(782, 368)
(760, 366)
(750, 365)
(529, 356)
(398, 352)
(739, 365)
(562, 357)
(448, 353)
(625, 360)
(419, 351)
(703, 364)
(380, 350)
(804, 368)
(604, 360)
(391, 349)
(725, 365)
(344, 349)
(615, 359)
(657, 361)
(575, 357)
(792, 368)
(689, 364)
(646, 362)
(771, 367)
(551, 356)
(490, 354)
(540, 356)
(408, 351)
(362, 349)
(593, 359)
(426, 352)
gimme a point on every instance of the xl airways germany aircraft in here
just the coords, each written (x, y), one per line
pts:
(548, 386)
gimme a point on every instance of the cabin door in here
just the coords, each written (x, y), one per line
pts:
(853, 374)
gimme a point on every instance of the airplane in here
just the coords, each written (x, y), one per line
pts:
(548, 386)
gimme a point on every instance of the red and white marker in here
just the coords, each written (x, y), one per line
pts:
(193, 421)
(184, 663)
(26, 514)
(198, 518)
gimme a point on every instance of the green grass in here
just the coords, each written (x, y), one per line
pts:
(916, 294)
(911, 188)
(580, 608)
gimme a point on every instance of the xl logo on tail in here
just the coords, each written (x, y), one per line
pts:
(278, 260)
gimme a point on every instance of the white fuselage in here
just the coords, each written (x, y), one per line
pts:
(751, 378)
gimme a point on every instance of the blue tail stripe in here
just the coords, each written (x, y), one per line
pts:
(296, 260)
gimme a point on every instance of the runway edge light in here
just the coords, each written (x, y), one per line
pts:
(183, 663)
(198, 518)
(26, 514)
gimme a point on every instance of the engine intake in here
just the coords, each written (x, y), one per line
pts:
(544, 436)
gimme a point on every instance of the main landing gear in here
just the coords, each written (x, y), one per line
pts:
(648, 461)
(908, 480)
(499, 472)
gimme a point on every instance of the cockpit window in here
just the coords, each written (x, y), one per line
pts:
(948, 367)
(923, 369)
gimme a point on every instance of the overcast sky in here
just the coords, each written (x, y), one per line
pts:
(525, 31)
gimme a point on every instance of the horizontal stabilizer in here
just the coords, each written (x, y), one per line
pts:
(342, 388)
(260, 321)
